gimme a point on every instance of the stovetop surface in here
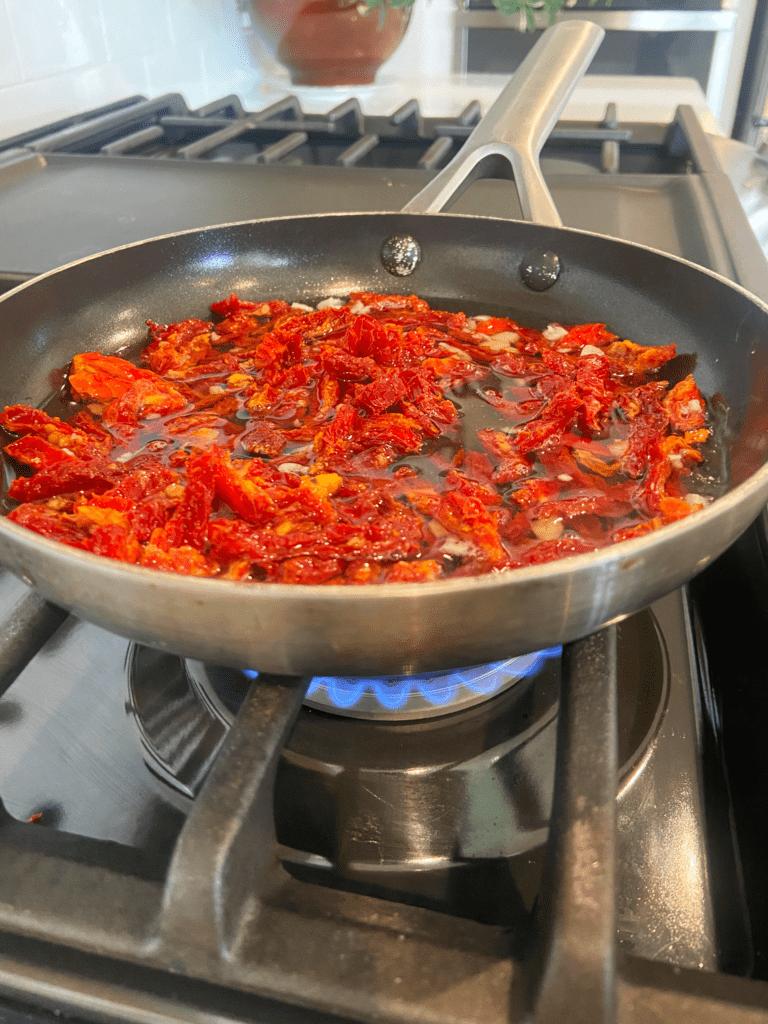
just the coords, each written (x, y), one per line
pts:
(421, 812)
(86, 754)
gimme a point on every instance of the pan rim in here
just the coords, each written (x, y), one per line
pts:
(763, 304)
(24, 538)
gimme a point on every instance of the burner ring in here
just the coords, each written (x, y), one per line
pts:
(405, 698)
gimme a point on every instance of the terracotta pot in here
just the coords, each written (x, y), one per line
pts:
(329, 42)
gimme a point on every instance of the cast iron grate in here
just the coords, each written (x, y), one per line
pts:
(223, 131)
(226, 930)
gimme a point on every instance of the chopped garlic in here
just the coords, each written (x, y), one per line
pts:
(215, 336)
(482, 317)
(501, 342)
(554, 332)
(697, 499)
(293, 467)
(301, 306)
(359, 308)
(330, 303)
(693, 406)
(565, 477)
(591, 350)
(458, 547)
(452, 348)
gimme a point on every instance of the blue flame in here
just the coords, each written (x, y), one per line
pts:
(438, 689)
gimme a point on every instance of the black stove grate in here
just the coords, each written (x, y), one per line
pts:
(223, 131)
(93, 931)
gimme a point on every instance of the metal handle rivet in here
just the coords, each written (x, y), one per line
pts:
(401, 254)
(539, 270)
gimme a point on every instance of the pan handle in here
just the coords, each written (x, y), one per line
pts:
(519, 123)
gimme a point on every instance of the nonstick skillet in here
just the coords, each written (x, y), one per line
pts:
(481, 265)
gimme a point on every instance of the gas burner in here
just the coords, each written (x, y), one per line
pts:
(429, 808)
(401, 698)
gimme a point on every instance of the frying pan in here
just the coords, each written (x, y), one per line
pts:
(465, 262)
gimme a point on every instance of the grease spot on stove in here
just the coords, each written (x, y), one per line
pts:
(50, 815)
(10, 712)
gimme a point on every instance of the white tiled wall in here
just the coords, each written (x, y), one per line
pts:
(62, 56)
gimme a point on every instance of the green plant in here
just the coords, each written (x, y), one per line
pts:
(525, 9)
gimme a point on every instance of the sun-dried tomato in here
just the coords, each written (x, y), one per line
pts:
(94, 375)
(550, 550)
(511, 464)
(38, 453)
(64, 478)
(684, 405)
(377, 441)
(556, 417)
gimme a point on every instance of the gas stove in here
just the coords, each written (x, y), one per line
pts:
(549, 838)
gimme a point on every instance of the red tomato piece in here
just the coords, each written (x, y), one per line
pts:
(534, 492)
(184, 560)
(512, 465)
(382, 393)
(482, 492)
(561, 364)
(557, 416)
(376, 301)
(264, 438)
(21, 419)
(632, 359)
(34, 451)
(646, 431)
(243, 495)
(226, 307)
(188, 525)
(596, 390)
(585, 334)
(115, 541)
(150, 397)
(415, 572)
(685, 406)
(94, 375)
(49, 523)
(65, 478)
(465, 515)
(550, 550)
(310, 570)
(512, 364)
(345, 366)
